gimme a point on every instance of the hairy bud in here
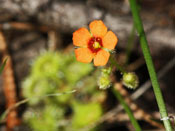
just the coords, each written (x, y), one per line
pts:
(104, 81)
(130, 80)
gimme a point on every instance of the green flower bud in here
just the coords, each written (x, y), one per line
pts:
(104, 81)
(130, 80)
(106, 71)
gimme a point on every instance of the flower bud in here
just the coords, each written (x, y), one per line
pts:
(104, 81)
(106, 71)
(130, 80)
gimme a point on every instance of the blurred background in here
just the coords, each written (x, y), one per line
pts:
(36, 37)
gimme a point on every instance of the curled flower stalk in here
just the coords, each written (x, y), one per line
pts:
(94, 44)
(129, 79)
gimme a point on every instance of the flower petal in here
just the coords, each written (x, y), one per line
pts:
(98, 28)
(109, 40)
(83, 55)
(81, 37)
(101, 58)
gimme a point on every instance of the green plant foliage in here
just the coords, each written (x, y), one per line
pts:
(46, 119)
(52, 73)
(35, 87)
(85, 114)
(76, 70)
(47, 65)
(56, 72)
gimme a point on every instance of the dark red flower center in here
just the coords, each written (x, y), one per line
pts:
(95, 44)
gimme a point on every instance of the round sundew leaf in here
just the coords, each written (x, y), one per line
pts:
(85, 114)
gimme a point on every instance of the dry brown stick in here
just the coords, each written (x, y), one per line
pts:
(136, 64)
(54, 40)
(24, 26)
(9, 86)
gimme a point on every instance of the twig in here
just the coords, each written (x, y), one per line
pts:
(9, 86)
(53, 40)
(23, 26)
(135, 65)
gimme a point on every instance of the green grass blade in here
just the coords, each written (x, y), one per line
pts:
(3, 65)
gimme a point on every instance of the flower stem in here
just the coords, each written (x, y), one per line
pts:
(144, 45)
(130, 44)
(127, 109)
(114, 63)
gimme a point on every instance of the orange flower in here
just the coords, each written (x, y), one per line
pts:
(92, 44)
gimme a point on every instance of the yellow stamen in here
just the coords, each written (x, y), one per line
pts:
(96, 45)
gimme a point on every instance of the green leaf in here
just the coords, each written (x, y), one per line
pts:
(3, 65)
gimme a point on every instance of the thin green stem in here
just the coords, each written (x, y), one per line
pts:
(3, 116)
(127, 109)
(130, 44)
(120, 99)
(144, 45)
(114, 63)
